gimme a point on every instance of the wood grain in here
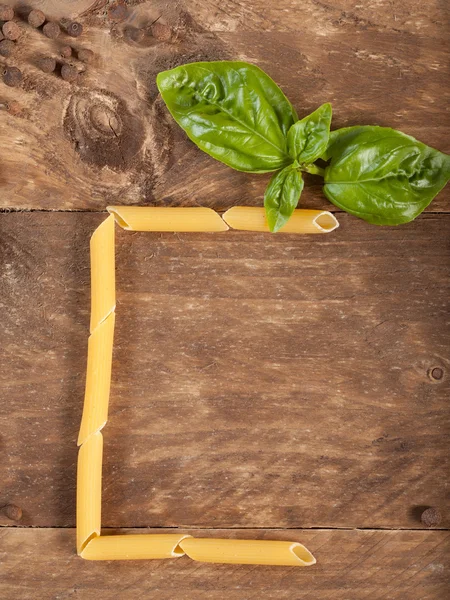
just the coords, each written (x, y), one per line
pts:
(322, 16)
(258, 381)
(369, 565)
(109, 139)
(57, 9)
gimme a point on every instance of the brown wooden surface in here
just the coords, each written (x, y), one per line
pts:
(109, 139)
(356, 565)
(277, 384)
(258, 381)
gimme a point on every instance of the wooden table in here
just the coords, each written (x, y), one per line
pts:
(277, 387)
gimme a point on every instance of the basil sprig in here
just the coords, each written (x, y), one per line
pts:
(237, 114)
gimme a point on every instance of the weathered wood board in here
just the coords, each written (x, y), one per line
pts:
(277, 384)
(109, 139)
(369, 565)
(258, 381)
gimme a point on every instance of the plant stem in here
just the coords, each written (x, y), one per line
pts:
(314, 170)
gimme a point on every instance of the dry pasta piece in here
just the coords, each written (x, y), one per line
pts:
(89, 490)
(248, 552)
(164, 218)
(134, 546)
(251, 218)
(103, 284)
(98, 379)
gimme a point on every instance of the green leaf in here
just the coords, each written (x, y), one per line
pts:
(282, 196)
(382, 175)
(334, 135)
(233, 111)
(308, 138)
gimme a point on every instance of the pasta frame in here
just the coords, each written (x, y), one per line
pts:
(90, 544)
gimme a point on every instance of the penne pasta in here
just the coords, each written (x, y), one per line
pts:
(160, 546)
(89, 490)
(103, 284)
(160, 218)
(98, 379)
(251, 218)
(134, 546)
(248, 552)
(90, 545)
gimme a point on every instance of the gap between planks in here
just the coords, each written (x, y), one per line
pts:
(7, 210)
(197, 528)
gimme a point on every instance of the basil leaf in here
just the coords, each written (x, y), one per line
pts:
(233, 111)
(282, 196)
(308, 138)
(382, 175)
(334, 135)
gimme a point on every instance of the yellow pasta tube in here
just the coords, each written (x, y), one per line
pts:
(163, 218)
(89, 490)
(134, 547)
(98, 379)
(251, 218)
(103, 284)
(248, 552)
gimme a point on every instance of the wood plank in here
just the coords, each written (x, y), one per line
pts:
(405, 16)
(63, 154)
(259, 381)
(369, 565)
(321, 16)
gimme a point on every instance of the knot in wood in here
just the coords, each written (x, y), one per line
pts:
(105, 120)
(103, 130)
